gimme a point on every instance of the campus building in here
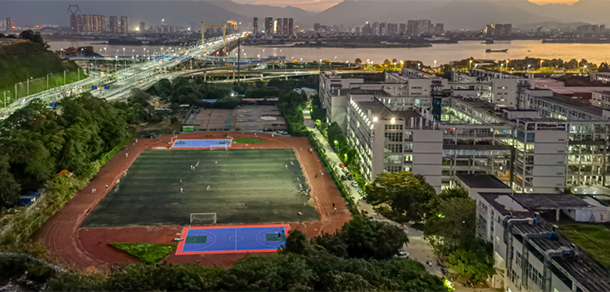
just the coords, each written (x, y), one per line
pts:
(482, 122)
(530, 253)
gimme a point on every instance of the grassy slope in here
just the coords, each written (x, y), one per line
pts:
(145, 252)
(26, 59)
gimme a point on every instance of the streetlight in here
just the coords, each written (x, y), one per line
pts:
(124, 51)
(435, 64)
(578, 65)
(541, 64)
(470, 65)
(105, 51)
(28, 86)
(65, 77)
(62, 51)
(48, 80)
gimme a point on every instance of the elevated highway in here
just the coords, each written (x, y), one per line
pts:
(139, 75)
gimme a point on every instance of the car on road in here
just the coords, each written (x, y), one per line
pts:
(354, 183)
(402, 254)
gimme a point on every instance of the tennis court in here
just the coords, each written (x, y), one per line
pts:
(182, 143)
(232, 239)
(163, 187)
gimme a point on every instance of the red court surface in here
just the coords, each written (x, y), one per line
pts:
(232, 239)
(88, 248)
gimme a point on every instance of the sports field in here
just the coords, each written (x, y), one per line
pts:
(240, 186)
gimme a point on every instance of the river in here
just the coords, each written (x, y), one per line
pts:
(442, 53)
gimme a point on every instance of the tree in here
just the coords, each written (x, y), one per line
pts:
(387, 62)
(27, 34)
(363, 238)
(9, 188)
(475, 264)
(277, 272)
(406, 194)
(434, 204)
(453, 223)
(358, 61)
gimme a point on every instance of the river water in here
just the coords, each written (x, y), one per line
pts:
(442, 53)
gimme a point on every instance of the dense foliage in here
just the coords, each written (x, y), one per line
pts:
(450, 230)
(406, 194)
(364, 238)
(38, 142)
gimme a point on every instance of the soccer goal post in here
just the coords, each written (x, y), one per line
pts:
(203, 218)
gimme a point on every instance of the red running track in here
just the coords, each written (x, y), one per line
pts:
(87, 248)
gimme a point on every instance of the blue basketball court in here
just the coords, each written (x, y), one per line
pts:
(232, 239)
(202, 143)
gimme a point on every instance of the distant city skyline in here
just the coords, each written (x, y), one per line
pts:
(321, 5)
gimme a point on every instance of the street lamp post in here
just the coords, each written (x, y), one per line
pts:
(65, 77)
(48, 80)
(27, 92)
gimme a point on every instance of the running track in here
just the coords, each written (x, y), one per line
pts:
(88, 247)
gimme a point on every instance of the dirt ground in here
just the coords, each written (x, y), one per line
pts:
(87, 248)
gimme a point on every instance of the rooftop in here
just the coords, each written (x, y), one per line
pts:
(574, 104)
(482, 181)
(505, 204)
(382, 112)
(554, 201)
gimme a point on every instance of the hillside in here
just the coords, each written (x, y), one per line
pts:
(26, 59)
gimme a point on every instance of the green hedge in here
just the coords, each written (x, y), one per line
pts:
(352, 206)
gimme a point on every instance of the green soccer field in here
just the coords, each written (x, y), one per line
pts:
(240, 186)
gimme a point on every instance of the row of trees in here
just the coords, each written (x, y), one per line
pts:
(450, 220)
(360, 257)
(38, 142)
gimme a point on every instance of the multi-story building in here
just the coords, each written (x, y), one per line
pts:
(601, 99)
(498, 30)
(114, 24)
(284, 27)
(530, 253)
(103, 24)
(87, 23)
(142, 26)
(278, 27)
(269, 26)
(421, 26)
(124, 25)
(402, 28)
(290, 26)
(439, 29)
(9, 23)
(603, 77)
(255, 25)
(494, 124)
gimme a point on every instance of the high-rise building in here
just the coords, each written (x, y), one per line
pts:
(439, 28)
(255, 25)
(316, 26)
(268, 25)
(290, 26)
(9, 23)
(402, 28)
(114, 24)
(421, 26)
(124, 24)
(74, 23)
(278, 26)
(103, 24)
(142, 26)
(285, 26)
(498, 30)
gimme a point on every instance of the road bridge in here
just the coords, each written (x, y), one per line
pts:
(139, 75)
